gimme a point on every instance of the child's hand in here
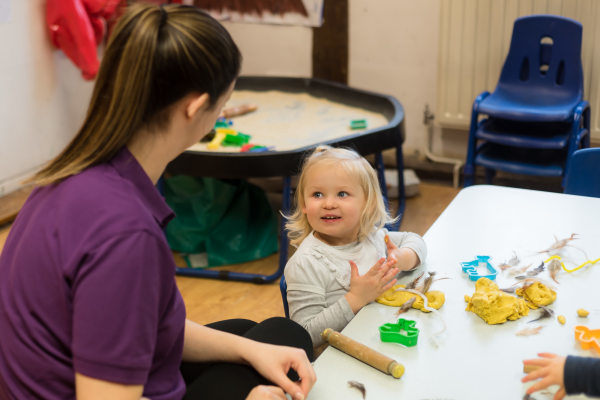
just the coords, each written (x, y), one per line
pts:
(406, 258)
(366, 288)
(551, 372)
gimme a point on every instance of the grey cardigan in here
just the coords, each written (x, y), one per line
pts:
(318, 277)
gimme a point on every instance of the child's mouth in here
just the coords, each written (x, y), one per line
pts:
(330, 218)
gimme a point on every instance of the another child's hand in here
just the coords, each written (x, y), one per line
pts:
(406, 258)
(551, 372)
(366, 288)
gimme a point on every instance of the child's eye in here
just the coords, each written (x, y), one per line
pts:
(343, 194)
(317, 195)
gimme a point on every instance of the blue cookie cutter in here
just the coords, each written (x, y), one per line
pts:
(470, 268)
(404, 332)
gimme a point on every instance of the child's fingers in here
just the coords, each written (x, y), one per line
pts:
(389, 285)
(353, 270)
(547, 355)
(532, 376)
(542, 384)
(538, 373)
(385, 268)
(389, 243)
(377, 267)
(389, 275)
(542, 362)
(560, 393)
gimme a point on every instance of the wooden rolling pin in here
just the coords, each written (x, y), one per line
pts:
(363, 353)
(239, 110)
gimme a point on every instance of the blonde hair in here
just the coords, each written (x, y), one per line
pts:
(156, 55)
(373, 216)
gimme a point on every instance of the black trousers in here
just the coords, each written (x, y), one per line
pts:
(235, 381)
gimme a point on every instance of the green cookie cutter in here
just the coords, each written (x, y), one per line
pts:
(404, 332)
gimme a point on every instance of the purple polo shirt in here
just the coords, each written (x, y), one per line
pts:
(87, 284)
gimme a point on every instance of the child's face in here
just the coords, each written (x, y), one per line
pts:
(333, 202)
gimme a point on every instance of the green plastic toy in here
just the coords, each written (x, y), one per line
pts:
(358, 124)
(236, 140)
(404, 332)
(220, 123)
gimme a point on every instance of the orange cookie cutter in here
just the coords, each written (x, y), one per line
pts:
(587, 337)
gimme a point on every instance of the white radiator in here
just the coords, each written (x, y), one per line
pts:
(474, 41)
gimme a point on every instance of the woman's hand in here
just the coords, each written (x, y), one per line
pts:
(266, 392)
(551, 372)
(366, 288)
(273, 362)
(406, 258)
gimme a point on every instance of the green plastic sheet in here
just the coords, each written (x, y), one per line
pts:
(230, 220)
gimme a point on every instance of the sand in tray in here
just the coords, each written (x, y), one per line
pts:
(289, 121)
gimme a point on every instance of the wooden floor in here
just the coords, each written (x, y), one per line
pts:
(209, 300)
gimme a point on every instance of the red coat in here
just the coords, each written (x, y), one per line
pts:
(77, 27)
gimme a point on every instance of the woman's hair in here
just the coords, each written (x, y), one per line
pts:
(156, 55)
(373, 216)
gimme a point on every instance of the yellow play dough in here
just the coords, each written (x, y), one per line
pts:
(581, 312)
(435, 298)
(537, 295)
(493, 305)
(561, 319)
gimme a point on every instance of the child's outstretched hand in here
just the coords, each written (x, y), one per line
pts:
(551, 372)
(406, 259)
(366, 288)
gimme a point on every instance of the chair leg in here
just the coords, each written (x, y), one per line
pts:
(283, 290)
(586, 125)
(580, 135)
(401, 189)
(489, 175)
(469, 170)
(380, 168)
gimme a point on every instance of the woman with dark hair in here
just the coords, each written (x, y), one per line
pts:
(89, 307)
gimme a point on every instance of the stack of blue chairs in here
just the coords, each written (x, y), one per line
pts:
(536, 117)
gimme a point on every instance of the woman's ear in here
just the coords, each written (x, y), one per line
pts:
(195, 103)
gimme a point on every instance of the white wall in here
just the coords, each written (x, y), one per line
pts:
(393, 50)
(43, 98)
(272, 49)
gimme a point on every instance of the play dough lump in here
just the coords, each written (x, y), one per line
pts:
(581, 312)
(537, 294)
(493, 305)
(391, 297)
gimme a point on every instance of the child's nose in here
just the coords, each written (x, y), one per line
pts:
(330, 202)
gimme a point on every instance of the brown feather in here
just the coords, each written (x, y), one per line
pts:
(359, 386)
(406, 306)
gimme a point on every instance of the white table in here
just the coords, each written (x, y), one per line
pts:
(474, 360)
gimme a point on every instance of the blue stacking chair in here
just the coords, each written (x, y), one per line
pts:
(283, 289)
(583, 176)
(536, 117)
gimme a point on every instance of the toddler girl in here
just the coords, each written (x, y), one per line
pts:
(345, 258)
